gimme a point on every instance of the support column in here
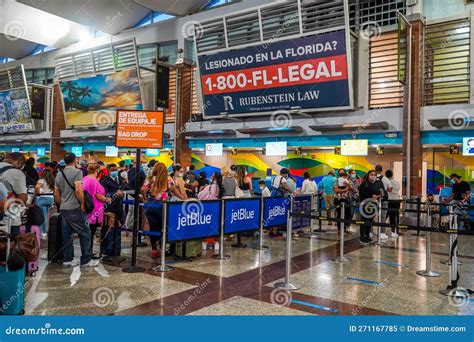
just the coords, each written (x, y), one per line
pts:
(415, 159)
(58, 124)
(184, 79)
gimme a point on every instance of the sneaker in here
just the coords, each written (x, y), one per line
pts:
(92, 263)
(371, 235)
(69, 264)
(44, 236)
(383, 236)
(394, 235)
(363, 242)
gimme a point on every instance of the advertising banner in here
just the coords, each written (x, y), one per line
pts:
(193, 220)
(93, 101)
(38, 103)
(139, 129)
(275, 211)
(241, 215)
(309, 72)
(15, 112)
(302, 204)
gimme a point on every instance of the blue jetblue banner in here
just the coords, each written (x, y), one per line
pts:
(275, 211)
(241, 215)
(309, 72)
(193, 220)
(302, 204)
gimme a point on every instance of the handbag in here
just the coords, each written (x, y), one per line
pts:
(88, 201)
(28, 246)
(34, 216)
(238, 193)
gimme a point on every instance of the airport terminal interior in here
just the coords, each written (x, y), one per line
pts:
(246, 157)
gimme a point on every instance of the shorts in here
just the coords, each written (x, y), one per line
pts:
(329, 200)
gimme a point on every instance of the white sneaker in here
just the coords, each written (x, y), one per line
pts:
(44, 236)
(383, 236)
(394, 235)
(69, 264)
(371, 235)
(92, 263)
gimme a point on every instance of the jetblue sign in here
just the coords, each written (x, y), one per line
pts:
(309, 72)
(275, 211)
(193, 220)
(241, 215)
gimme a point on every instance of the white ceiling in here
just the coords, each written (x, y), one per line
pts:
(25, 24)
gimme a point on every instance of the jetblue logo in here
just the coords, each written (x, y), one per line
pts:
(276, 211)
(242, 214)
(193, 219)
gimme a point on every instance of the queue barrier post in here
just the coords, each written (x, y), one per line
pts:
(260, 246)
(418, 209)
(452, 289)
(312, 233)
(451, 239)
(427, 272)
(221, 255)
(379, 227)
(162, 267)
(286, 284)
(341, 258)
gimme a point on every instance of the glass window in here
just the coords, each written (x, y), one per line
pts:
(168, 51)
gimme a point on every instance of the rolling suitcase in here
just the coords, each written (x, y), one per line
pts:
(12, 286)
(33, 266)
(188, 250)
(55, 241)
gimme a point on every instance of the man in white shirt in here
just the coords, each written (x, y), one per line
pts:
(387, 186)
(265, 190)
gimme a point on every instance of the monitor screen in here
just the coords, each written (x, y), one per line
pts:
(41, 151)
(214, 150)
(276, 148)
(354, 147)
(152, 152)
(77, 150)
(468, 146)
(111, 151)
(15, 112)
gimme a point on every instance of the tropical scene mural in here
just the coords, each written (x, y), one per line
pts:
(93, 101)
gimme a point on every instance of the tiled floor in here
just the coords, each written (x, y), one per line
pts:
(378, 280)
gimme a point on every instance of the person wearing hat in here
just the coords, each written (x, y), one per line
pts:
(83, 167)
(328, 192)
(280, 184)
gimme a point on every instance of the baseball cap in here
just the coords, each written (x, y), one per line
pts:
(285, 171)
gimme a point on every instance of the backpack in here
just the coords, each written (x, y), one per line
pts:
(276, 191)
(88, 200)
(2, 170)
(209, 192)
(385, 193)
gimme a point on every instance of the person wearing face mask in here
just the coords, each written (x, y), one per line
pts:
(265, 191)
(114, 214)
(430, 204)
(370, 191)
(342, 189)
(355, 181)
(15, 183)
(92, 185)
(178, 188)
(328, 190)
(461, 196)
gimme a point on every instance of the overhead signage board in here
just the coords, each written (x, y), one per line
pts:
(310, 73)
(139, 129)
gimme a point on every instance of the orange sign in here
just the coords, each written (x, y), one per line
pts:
(139, 129)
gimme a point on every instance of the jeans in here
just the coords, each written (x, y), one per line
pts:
(45, 203)
(75, 221)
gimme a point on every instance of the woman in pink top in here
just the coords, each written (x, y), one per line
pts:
(92, 185)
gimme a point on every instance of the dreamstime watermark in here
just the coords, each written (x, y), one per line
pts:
(14, 30)
(46, 330)
(375, 114)
(458, 119)
(193, 206)
(192, 29)
(103, 120)
(14, 207)
(193, 119)
(461, 299)
(370, 30)
(281, 119)
(103, 297)
(280, 297)
(111, 21)
(368, 208)
(20, 291)
(363, 304)
(197, 291)
(288, 20)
